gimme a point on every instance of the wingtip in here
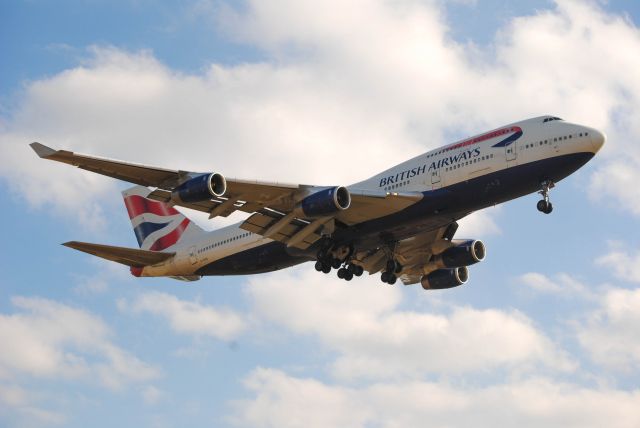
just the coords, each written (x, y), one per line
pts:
(42, 150)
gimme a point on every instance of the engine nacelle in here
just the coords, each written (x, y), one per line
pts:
(465, 253)
(200, 188)
(326, 202)
(445, 278)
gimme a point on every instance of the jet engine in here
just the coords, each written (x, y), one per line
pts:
(200, 188)
(326, 202)
(445, 278)
(464, 253)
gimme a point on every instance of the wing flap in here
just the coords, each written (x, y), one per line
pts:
(260, 222)
(127, 256)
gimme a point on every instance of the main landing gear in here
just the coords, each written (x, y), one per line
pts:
(545, 205)
(346, 270)
(389, 275)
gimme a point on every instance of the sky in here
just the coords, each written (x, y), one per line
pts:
(545, 333)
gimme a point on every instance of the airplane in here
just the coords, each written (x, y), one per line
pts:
(400, 222)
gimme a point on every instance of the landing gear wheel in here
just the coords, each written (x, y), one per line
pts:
(342, 272)
(544, 205)
(348, 276)
(388, 278)
(335, 263)
(326, 268)
(358, 270)
(319, 266)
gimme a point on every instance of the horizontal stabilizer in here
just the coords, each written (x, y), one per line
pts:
(127, 256)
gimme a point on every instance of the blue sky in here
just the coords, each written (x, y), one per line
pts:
(544, 333)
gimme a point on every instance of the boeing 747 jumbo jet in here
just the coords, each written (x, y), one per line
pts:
(400, 222)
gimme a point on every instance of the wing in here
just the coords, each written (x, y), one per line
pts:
(413, 253)
(131, 172)
(272, 205)
(127, 256)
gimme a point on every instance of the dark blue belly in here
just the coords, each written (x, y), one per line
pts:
(438, 208)
(266, 258)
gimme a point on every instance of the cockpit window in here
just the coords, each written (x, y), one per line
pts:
(550, 119)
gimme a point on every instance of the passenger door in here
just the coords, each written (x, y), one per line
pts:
(436, 181)
(511, 153)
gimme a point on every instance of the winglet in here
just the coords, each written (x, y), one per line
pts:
(42, 150)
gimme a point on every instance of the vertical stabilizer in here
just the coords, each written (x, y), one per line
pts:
(157, 226)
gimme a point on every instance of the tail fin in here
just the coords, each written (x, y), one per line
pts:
(158, 226)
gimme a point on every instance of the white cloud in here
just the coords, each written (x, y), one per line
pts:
(152, 395)
(610, 334)
(189, 318)
(373, 338)
(359, 91)
(279, 400)
(17, 408)
(479, 224)
(624, 264)
(562, 284)
(618, 178)
(52, 340)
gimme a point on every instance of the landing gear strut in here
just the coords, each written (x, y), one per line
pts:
(545, 205)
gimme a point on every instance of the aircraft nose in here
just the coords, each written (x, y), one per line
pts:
(597, 139)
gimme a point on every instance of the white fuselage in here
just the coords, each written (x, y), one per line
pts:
(532, 140)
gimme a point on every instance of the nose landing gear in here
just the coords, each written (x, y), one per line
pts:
(545, 205)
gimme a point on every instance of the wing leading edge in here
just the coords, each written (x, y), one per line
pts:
(273, 205)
